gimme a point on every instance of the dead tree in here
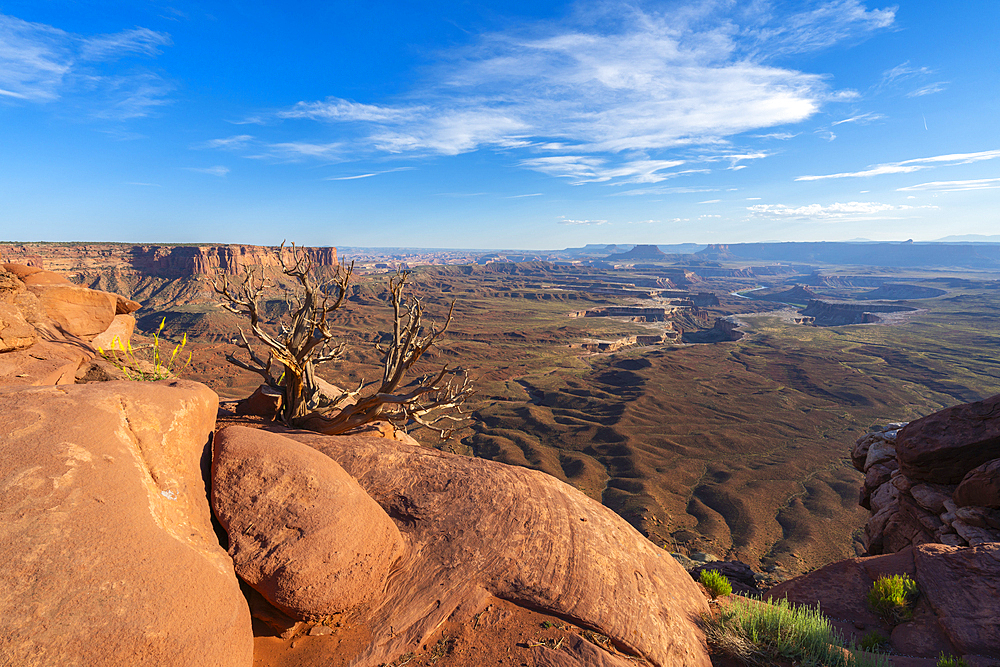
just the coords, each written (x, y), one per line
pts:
(305, 339)
(434, 400)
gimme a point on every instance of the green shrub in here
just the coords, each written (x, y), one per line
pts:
(951, 661)
(759, 633)
(874, 641)
(145, 363)
(716, 583)
(893, 597)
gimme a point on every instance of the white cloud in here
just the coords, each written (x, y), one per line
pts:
(34, 59)
(533, 194)
(138, 41)
(599, 97)
(836, 211)
(860, 119)
(40, 63)
(929, 90)
(955, 186)
(710, 201)
(213, 171)
(908, 166)
(563, 220)
(816, 28)
(351, 178)
(232, 143)
(781, 136)
(297, 150)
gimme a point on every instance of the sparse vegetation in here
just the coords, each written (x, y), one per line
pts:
(951, 661)
(874, 641)
(716, 583)
(145, 363)
(893, 597)
(760, 633)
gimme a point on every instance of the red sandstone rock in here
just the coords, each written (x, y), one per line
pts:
(980, 486)
(944, 446)
(108, 552)
(302, 532)
(962, 585)
(265, 401)
(44, 363)
(119, 331)
(15, 332)
(44, 278)
(76, 311)
(475, 528)
(20, 270)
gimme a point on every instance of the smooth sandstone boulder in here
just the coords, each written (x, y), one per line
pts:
(20, 270)
(302, 532)
(76, 311)
(43, 277)
(118, 332)
(980, 486)
(944, 446)
(475, 529)
(108, 552)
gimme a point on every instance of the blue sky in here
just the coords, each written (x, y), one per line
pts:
(500, 124)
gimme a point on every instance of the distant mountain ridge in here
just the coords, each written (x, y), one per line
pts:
(907, 253)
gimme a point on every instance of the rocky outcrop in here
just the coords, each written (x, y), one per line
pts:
(955, 612)
(106, 538)
(162, 261)
(933, 480)
(50, 329)
(830, 314)
(475, 530)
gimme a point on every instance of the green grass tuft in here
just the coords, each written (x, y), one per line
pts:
(874, 641)
(951, 661)
(893, 597)
(716, 583)
(759, 634)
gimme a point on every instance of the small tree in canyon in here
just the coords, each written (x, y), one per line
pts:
(306, 340)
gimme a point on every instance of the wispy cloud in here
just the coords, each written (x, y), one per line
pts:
(217, 170)
(40, 63)
(907, 166)
(929, 90)
(860, 119)
(836, 211)
(567, 221)
(235, 142)
(533, 194)
(138, 41)
(600, 97)
(955, 186)
(367, 175)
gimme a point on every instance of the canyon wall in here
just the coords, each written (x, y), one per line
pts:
(82, 260)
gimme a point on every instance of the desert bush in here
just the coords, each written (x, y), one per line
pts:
(874, 641)
(759, 633)
(716, 583)
(951, 661)
(893, 597)
(146, 362)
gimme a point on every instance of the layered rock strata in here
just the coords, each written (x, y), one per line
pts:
(160, 261)
(934, 480)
